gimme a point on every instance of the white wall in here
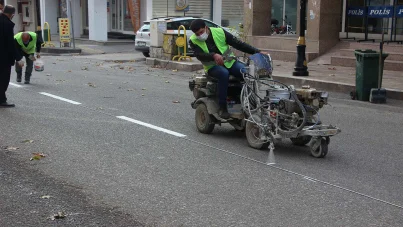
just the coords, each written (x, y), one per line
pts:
(77, 18)
(18, 17)
(51, 10)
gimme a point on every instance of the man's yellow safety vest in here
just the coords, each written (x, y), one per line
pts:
(30, 49)
(220, 41)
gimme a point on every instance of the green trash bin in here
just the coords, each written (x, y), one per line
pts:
(367, 72)
(45, 39)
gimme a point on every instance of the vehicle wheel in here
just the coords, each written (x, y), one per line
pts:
(204, 121)
(146, 54)
(252, 132)
(301, 141)
(322, 150)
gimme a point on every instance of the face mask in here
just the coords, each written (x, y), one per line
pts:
(204, 36)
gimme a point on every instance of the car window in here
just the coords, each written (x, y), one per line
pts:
(145, 28)
(209, 24)
(186, 23)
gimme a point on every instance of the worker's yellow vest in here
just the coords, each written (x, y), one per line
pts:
(220, 41)
(30, 49)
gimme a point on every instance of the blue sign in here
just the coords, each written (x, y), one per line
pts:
(380, 11)
(399, 11)
(356, 11)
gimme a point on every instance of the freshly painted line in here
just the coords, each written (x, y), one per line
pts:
(151, 126)
(15, 85)
(60, 98)
(298, 174)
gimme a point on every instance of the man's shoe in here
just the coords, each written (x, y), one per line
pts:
(6, 105)
(26, 82)
(18, 79)
(223, 112)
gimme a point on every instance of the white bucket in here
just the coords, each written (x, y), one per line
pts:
(39, 66)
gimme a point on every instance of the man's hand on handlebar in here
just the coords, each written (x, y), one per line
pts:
(218, 59)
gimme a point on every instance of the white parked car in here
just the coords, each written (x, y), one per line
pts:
(142, 42)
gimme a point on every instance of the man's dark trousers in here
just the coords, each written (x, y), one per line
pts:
(28, 69)
(5, 73)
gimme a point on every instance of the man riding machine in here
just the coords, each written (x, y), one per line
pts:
(211, 46)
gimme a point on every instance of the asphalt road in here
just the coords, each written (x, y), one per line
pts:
(122, 149)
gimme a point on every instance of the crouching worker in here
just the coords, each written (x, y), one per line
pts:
(27, 43)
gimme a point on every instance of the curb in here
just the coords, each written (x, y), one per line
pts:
(59, 50)
(168, 64)
(332, 86)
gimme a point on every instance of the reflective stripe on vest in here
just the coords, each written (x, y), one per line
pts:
(30, 49)
(220, 41)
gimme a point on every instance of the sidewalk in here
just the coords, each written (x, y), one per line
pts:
(335, 78)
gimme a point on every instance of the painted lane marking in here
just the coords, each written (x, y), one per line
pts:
(151, 126)
(15, 85)
(60, 98)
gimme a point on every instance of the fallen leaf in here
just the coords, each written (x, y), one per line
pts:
(144, 89)
(175, 70)
(332, 75)
(54, 63)
(69, 71)
(37, 156)
(27, 141)
(91, 85)
(100, 108)
(84, 68)
(334, 68)
(176, 102)
(130, 89)
(167, 82)
(142, 94)
(48, 74)
(10, 148)
(45, 197)
(59, 215)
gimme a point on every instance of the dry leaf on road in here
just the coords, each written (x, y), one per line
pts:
(10, 148)
(37, 156)
(59, 215)
(167, 82)
(27, 141)
(91, 85)
(176, 102)
(45, 197)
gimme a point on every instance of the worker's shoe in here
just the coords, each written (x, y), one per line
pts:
(6, 105)
(19, 78)
(223, 112)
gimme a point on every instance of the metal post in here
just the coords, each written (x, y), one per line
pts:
(42, 6)
(301, 68)
(72, 25)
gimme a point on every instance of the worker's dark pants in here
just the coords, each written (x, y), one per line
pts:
(28, 69)
(5, 72)
(222, 74)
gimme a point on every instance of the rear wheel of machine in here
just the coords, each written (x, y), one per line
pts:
(204, 121)
(253, 136)
(301, 141)
(322, 150)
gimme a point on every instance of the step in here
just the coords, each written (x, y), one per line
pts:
(393, 56)
(391, 47)
(350, 62)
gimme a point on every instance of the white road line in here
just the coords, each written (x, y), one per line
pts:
(151, 126)
(15, 85)
(60, 98)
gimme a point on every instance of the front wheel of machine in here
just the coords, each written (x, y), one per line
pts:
(204, 121)
(322, 150)
(253, 136)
